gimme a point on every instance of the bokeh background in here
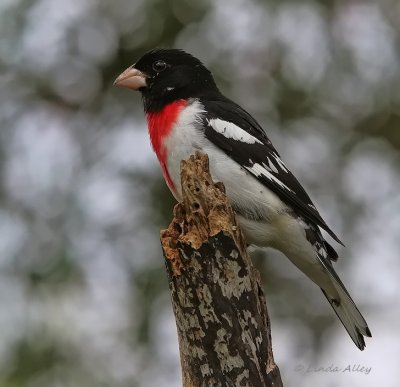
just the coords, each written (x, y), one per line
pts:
(84, 299)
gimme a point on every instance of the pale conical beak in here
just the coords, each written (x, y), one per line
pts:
(132, 79)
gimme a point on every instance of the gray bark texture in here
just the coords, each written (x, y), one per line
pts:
(219, 305)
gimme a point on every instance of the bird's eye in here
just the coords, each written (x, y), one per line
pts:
(159, 65)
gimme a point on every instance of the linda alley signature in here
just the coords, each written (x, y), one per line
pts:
(332, 368)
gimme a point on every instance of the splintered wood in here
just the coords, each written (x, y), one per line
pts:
(218, 302)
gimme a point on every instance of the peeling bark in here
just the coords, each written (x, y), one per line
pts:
(218, 301)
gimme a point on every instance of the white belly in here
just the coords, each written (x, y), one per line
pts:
(243, 189)
(275, 226)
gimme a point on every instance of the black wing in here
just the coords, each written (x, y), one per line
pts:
(239, 135)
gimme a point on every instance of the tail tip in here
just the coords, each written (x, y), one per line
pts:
(359, 342)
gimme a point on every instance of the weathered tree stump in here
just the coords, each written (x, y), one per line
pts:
(218, 301)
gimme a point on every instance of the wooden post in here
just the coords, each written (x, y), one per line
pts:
(217, 298)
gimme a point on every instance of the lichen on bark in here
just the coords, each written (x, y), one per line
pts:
(218, 302)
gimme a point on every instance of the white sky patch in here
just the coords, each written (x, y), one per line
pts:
(259, 170)
(127, 146)
(230, 130)
(372, 42)
(301, 32)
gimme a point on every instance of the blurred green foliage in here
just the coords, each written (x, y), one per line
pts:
(83, 294)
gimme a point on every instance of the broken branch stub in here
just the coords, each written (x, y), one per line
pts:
(218, 302)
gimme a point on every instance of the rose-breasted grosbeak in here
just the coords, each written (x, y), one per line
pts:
(186, 113)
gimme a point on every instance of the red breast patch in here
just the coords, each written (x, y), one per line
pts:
(160, 125)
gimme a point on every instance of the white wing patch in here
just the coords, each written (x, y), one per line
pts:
(280, 163)
(270, 167)
(258, 170)
(322, 252)
(230, 130)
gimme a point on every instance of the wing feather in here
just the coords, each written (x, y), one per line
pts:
(235, 132)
